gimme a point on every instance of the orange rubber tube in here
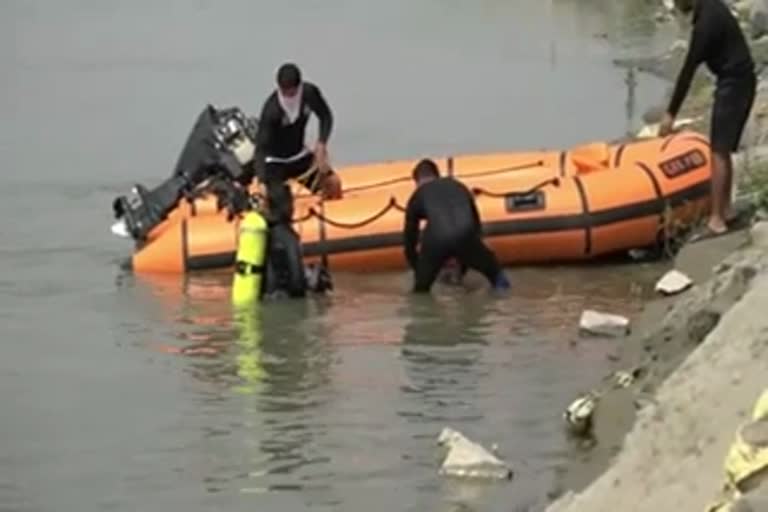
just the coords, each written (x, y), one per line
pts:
(592, 200)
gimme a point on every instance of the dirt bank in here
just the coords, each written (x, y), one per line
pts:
(704, 366)
(700, 357)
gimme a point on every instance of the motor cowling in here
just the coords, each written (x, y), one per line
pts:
(221, 142)
(217, 154)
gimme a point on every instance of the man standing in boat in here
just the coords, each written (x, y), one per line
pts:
(453, 230)
(280, 151)
(717, 40)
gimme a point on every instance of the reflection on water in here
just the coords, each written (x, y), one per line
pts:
(151, 393)
(442, 353)
(324, 395)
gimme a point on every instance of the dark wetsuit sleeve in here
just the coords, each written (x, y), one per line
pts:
(413, 213)
(266, 132)
(320, 107)
(475, 213)
(704, 33)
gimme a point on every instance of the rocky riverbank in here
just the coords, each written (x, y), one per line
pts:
(699, 361)
(698, 375)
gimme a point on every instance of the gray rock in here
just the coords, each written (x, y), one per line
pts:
(759, 50)
(758, 18)
(700, 324)
(759, 234)
(755, 501)
(662, 16)
(673, 282)
(603, 324)
(742, 8)
(665, 12)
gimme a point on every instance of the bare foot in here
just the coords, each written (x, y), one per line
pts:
(717, 225)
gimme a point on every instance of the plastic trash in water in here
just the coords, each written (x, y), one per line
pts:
(746, 464)
(468, 459)
(578, 415)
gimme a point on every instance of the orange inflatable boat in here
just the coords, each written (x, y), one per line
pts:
(548, 206)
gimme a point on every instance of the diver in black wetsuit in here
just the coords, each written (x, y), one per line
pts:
(453, 230)
(718, 41)
(280, 150)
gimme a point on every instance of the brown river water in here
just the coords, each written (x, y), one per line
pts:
(331, 404)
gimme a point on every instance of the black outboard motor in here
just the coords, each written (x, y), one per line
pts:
(218, 150)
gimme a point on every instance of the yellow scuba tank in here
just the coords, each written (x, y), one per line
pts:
(250, 259)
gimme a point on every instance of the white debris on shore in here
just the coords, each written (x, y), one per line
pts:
(603, 324)
(673, 282)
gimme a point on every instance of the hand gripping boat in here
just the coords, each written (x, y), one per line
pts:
(583, 203)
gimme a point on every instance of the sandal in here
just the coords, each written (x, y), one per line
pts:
(706, 233)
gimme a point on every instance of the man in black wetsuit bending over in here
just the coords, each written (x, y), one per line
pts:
(718, 41)
(453, 230)
(280, 150)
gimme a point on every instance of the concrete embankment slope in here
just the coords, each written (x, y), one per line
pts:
(672, 460)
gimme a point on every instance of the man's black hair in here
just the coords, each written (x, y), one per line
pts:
(426, 168)
(288, 76)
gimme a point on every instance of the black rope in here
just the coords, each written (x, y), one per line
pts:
(552, 181)
(305, 218)
(355, 225)
(321, 232)
(393, 202)
(452, 172)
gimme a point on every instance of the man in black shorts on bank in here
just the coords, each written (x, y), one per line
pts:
(453, 230)
(280, 151)
(717, 40)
